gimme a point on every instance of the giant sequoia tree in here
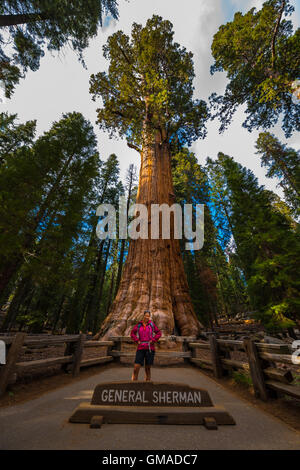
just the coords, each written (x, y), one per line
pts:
(147, 97)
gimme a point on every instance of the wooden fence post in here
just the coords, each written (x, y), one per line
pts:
(68, 351)
(185, 348)
(215, 356)
(256, 370)
(7, 370)
(78, 351)
(109, 349)
(118, 347)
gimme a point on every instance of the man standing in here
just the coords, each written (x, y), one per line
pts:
(145, 334)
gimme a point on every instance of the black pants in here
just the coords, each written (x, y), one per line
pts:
(144, 355)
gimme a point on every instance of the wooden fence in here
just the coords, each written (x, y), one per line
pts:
(261, 358)
(268, 380)
(71, 360)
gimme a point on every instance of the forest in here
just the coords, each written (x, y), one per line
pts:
(56, 275)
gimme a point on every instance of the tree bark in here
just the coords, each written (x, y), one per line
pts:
(111, 290)
(98, 294)
(153, 276)
(90, 309)
(283, 3)
(123, 241)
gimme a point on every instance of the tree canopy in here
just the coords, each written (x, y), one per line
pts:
(267, 246)
(51, 261)
(14, 135)
(260, 53)
(149, 83)
(31, 25)
(283, 163)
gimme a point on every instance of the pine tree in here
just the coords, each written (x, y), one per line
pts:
(87, 297)
(33, 25)
(215, 282)
(49, 266)
(130, 182)
(283, 163)
(259, 51)
(39, 176)
(14, 136)
(267, 245)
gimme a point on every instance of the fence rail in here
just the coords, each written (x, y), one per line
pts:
(261, 358)
(268, 380)
(72, 360)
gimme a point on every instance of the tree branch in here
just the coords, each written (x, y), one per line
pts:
(129, 62)
(118, 113)
(134, 147)
(14, 20)
(276, 31)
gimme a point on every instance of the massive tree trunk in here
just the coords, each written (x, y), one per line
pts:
(153, 276)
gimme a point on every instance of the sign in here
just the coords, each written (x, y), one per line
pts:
(150, 403)
(150, 394)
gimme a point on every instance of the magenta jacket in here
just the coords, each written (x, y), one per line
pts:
(145, 334)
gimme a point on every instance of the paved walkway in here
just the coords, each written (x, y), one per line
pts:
(42, 423)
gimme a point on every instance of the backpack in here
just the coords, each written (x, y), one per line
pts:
(140, 324)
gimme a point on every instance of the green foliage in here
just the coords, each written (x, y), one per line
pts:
(267, 246)
(63, 281)
(242, 378)
(38, 175)
(13, 135)
(43, 218)
(212, 286)
(33, 25)
(297, 379)
(215, 281)
(148, 86)
(84, 308)
(231, 284)
(260, 54)
(189, 179)
(190, 187)
(225, 259)
(283, 163)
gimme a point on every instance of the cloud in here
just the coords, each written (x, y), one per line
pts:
(209, 20)
(245, 5)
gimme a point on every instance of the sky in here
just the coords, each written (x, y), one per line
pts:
(61, 84)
